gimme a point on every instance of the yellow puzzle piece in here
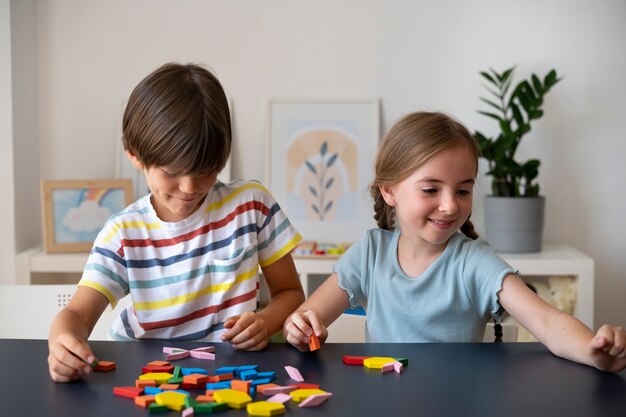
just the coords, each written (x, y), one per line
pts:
(265, 409)
(234, 398)
(377, 362)
(301, 394)
(173, 400)
(159, 377)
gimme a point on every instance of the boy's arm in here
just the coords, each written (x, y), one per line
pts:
(70, 355)
(251, 331)
(563, 334)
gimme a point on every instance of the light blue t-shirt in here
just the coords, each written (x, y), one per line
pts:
(451, 301)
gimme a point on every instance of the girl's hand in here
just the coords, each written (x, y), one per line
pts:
(70, 358)
(247, 331)
(299, 327)
(607, 350)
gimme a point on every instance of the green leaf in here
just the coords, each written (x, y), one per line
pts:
(488, 77)
(492, 104)
(537, 85)
(493, 116)
(517, 114)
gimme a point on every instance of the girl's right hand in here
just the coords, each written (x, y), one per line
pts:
(70, 358)
(299, 327)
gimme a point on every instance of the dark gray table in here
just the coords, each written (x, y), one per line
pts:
(503, 380)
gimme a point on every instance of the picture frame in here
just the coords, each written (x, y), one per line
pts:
(74, 211)
(320, 162)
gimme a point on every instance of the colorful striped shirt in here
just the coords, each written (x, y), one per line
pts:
(185, 278)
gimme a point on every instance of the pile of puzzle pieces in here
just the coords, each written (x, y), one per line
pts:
(162, 387)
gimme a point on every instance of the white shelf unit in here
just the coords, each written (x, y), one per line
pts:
(554, 259)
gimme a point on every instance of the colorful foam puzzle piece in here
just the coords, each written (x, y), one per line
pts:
(301, 394)
(241, 385)
(279, 389)
(398, 367)
(128, 392)
(158, 377)
(314, 342)
(294, 373)
(172, 399)
(305, 385)
(389, 366)
(354, 360)
(279, 398)
(265, 409)
(189, 371)
(234, 398)
(104, 366)
(144, 400)
(187, 412)
(177, 355)
(196, 379)
(314, 400)
(202, 355)
(154, 368)
(158, 363)
(155, 408)
(377, 362)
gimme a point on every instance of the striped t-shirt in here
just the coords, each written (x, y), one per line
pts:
(185, 278)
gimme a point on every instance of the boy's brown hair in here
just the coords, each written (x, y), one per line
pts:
(178, 117)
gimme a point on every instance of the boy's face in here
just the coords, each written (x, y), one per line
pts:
(176, 197)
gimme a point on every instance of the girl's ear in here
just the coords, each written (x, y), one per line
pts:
(135, 161)
(387, 193)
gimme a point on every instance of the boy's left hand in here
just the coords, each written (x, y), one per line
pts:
(608, 349)
(247, 331)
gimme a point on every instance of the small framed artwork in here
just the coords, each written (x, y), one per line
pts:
(74, 211)
(320, 163)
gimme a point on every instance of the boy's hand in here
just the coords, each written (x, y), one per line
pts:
(299, 327)
(69, 358)
(247, 331)
(607, 349)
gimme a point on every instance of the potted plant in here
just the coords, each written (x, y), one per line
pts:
(514, 211)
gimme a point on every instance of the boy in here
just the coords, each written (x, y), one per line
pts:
(187, 253)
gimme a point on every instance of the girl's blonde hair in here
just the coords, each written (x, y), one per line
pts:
(410, 143)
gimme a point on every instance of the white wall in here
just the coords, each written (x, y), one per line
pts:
(411, 54)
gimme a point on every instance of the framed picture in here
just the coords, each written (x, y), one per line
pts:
(74, 211)
(320, 156)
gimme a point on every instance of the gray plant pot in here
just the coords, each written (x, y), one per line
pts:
(514, 224)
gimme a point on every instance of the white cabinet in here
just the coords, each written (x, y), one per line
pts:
(555, 259)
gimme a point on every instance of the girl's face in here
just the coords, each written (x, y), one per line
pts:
(435, 201)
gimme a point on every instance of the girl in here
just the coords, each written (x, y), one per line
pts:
(419, 278)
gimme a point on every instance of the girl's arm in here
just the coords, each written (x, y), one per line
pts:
(251, 331)
(318, 312)
(564, 335)
(70, 356)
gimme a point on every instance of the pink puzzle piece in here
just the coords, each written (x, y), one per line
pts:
(314, 400)
(176, 355)
(388, 367)
(398, 367)
(294, 373)
(279, 398)
(278, 390)
(202, 355)
(204, 349)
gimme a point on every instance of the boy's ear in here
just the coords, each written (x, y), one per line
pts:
(387, 193)
(135, 161)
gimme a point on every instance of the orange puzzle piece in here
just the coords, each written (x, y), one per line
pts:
(314, 343)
